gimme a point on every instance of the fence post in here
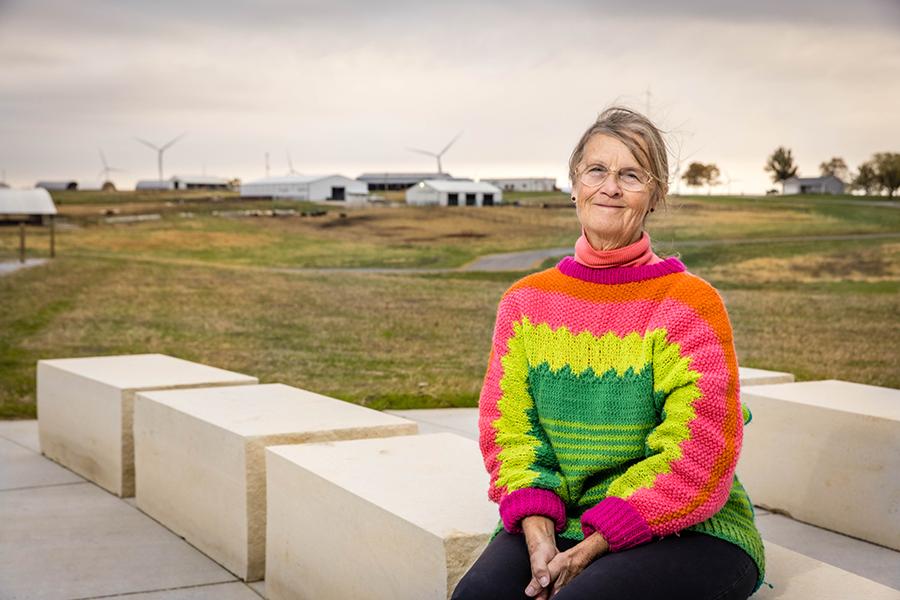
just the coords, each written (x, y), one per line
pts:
(52, 236)
(21, 242)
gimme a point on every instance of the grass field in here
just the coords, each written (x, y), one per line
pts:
(202, 291)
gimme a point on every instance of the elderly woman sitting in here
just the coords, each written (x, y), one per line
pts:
(610, 417)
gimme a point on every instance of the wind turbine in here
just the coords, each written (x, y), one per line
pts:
(106, 170)
(437, 155)
(160, 150)
(291, 170)
(729, 180)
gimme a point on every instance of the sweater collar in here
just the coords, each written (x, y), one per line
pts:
(632, 255)
(569, 266)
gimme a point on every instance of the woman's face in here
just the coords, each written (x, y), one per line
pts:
(611, 216)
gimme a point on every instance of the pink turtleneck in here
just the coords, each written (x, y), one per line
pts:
(632, 255)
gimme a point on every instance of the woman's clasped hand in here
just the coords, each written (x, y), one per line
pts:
(552, 570)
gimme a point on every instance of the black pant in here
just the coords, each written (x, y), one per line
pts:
(691, 566)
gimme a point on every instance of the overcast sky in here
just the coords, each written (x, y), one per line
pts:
(347, 86)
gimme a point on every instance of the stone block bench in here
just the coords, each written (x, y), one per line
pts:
(798, 577)
(751, 376)
(200, 459)
(85, 409)
(378, 519)
(826, 453)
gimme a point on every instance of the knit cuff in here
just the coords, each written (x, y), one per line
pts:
(618, 522)
(531, 501)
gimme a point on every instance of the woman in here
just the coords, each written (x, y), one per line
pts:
(610, 419)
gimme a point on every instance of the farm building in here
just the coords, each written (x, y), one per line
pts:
(397, 181)
(814, 185)
(199, 182)
(96, 186)
(524, 184)
(185, 182)
(61, 184)
(29, 206)
(454, 192)
(307, 187)
(145, 185)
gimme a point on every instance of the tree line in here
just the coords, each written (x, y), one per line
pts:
(879, 174)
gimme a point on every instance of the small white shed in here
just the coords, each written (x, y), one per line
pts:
(316, 188)
(454, 192)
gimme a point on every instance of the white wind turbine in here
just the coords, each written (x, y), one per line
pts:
(160, 150)
(729, 180)
(291, 170)
(106, 170)
(437, 155)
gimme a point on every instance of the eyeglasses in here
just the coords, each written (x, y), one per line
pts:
(629, 178)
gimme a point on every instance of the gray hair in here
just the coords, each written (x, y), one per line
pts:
(642, 138)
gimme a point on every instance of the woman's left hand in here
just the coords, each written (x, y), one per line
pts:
(565, 566)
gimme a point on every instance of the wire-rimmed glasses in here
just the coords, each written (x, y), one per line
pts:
(630, 179)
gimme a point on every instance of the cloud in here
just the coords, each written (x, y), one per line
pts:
(349, 85)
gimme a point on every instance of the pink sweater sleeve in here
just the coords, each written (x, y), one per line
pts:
(524, 472)
(692, 454)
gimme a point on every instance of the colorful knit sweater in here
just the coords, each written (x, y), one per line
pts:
(611, 404)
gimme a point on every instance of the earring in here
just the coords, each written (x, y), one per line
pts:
(652, 209)
(573, 198)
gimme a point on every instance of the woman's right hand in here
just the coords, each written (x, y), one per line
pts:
(540, 537)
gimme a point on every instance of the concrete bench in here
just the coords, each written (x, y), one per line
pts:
(826, 453)
(751, 376)
(378, 519)
(85, 409)
(200, 459)
(798, 577)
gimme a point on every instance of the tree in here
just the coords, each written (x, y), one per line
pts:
(887, 170)
(711, 177)
(781, 165)
(698, 174)
(837, 167)
(695, 175)
(867, 179)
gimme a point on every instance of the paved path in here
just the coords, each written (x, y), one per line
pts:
(530, 259)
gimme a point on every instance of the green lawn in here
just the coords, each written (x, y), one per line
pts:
(817, 309)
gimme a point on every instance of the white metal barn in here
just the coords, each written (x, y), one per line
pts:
(524, 184)
(814, 185)
(453, 192)
(33, 205)
(307, 187)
